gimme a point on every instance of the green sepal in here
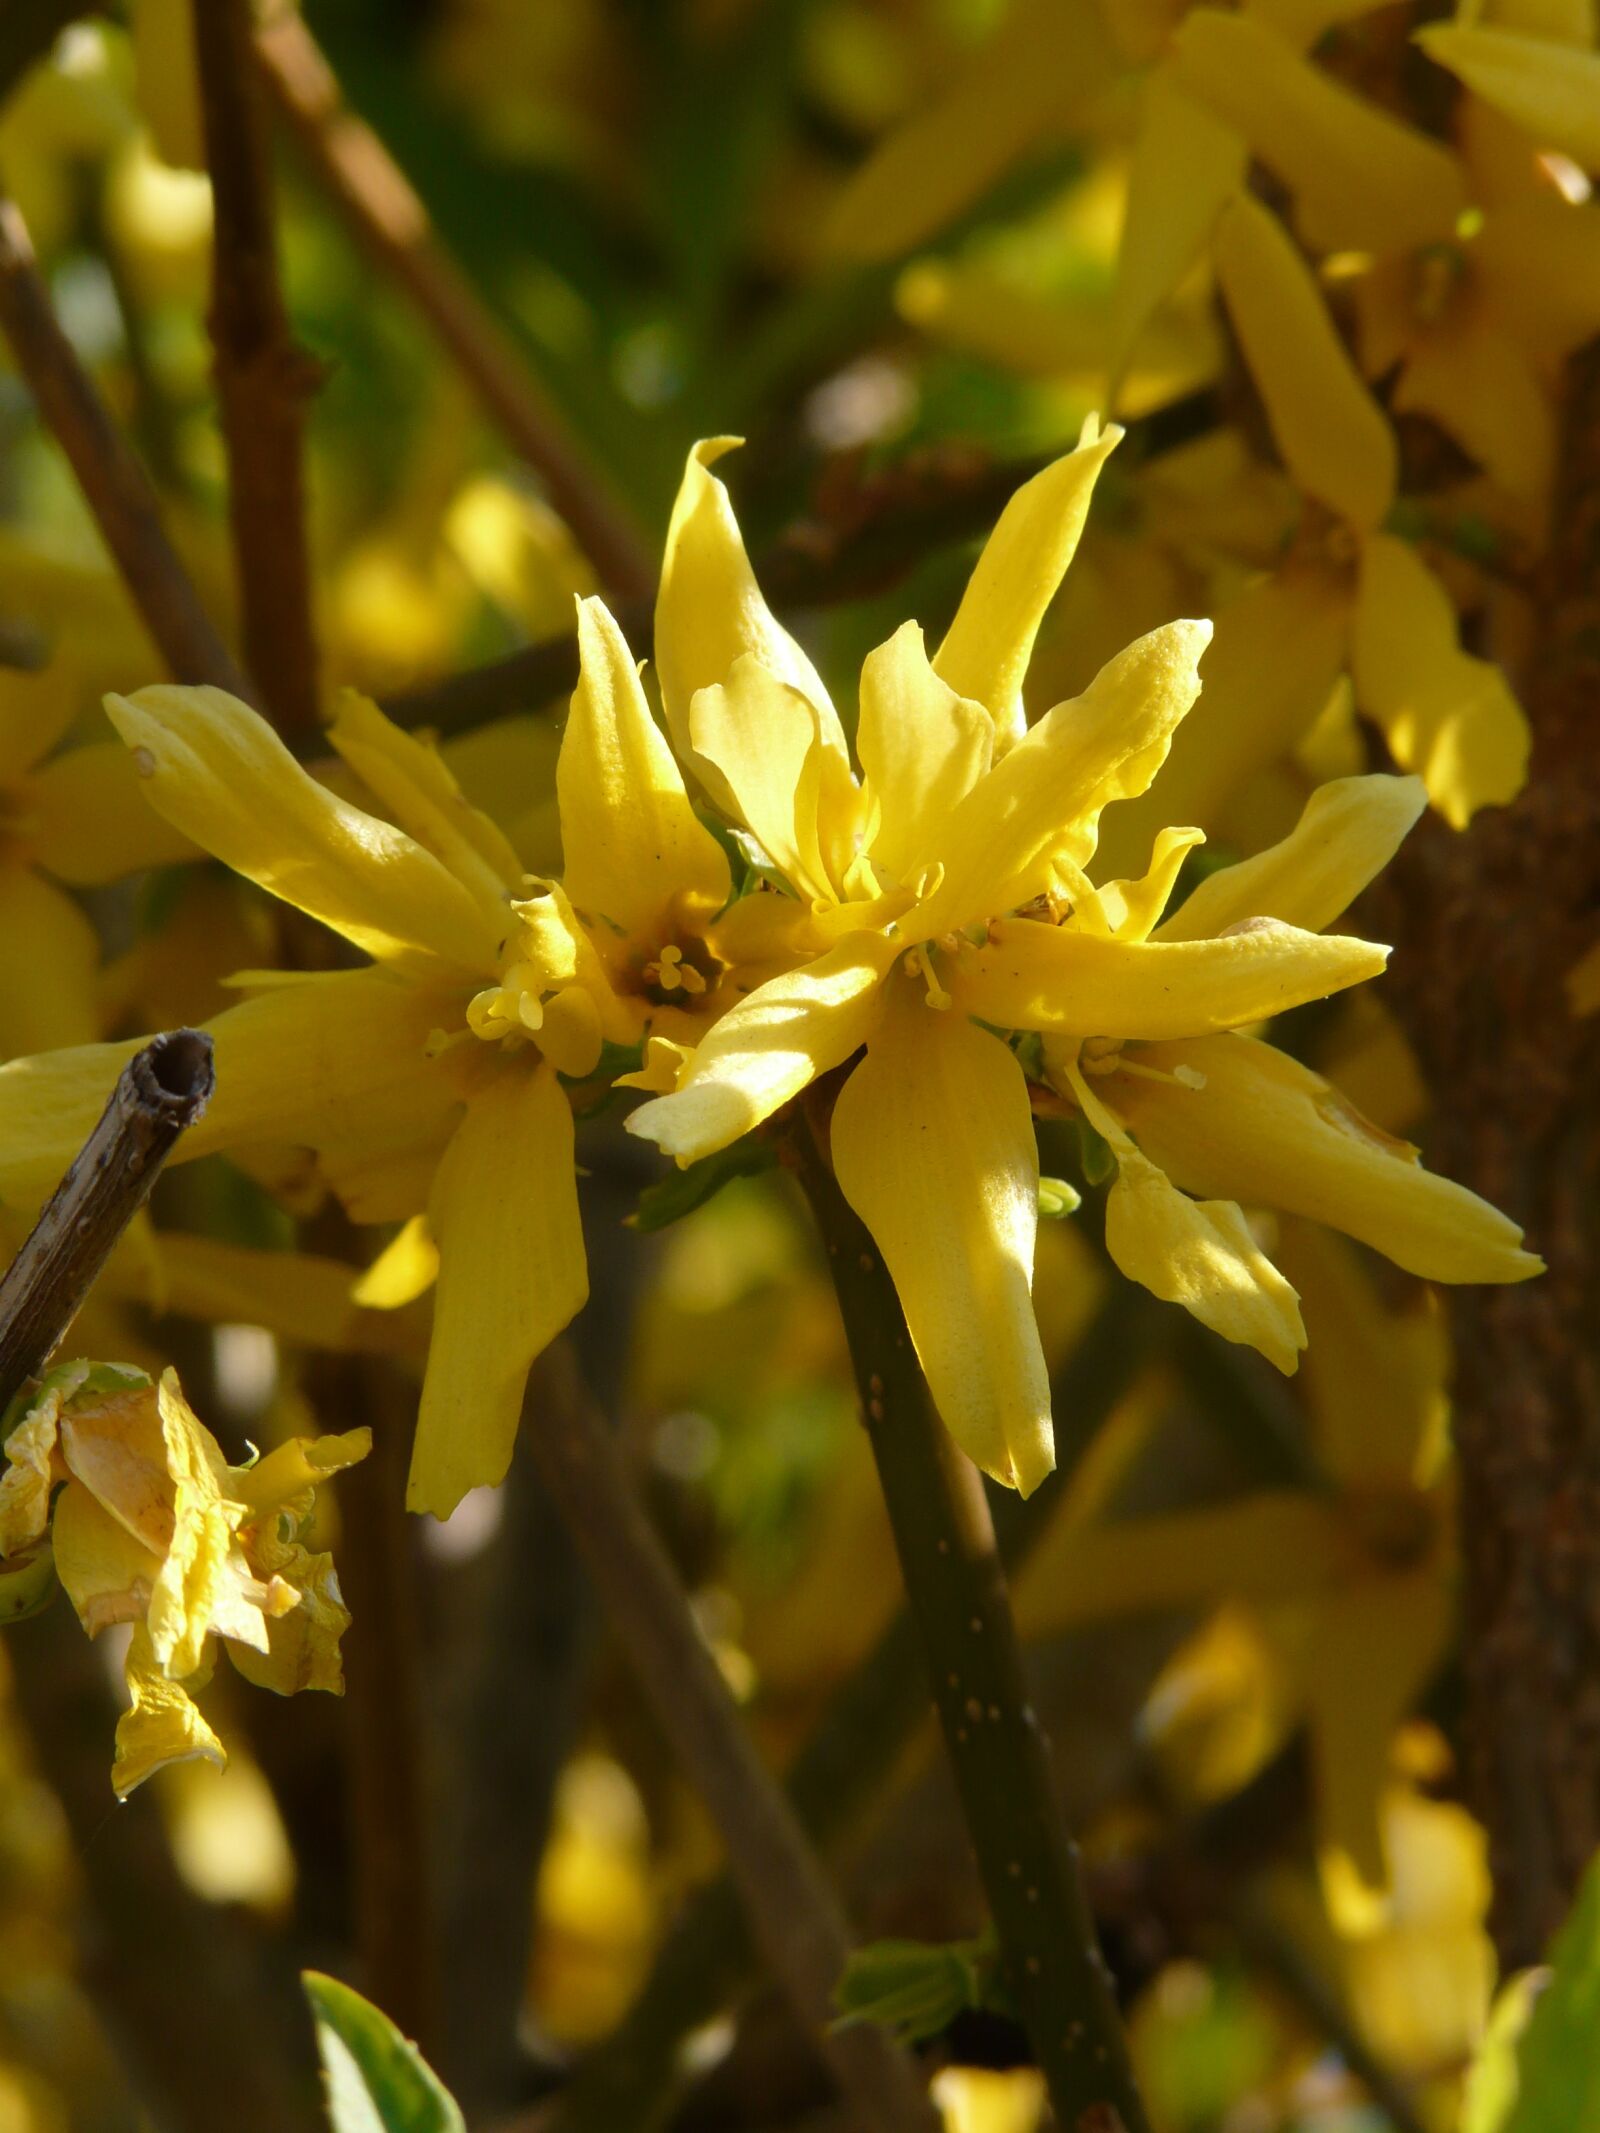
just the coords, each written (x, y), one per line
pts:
(1096, 1155)
(678, 1194)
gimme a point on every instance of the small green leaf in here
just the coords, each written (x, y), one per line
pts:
(1099, 1163)
(1058, 1199)
(682, 1191)
(376, 2082)
(1558, 2053)
(917, 1988)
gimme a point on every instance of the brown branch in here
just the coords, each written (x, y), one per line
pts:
(114, 484)
(381, 207)
(794, 1915)
(264, 379)
(160, 1092)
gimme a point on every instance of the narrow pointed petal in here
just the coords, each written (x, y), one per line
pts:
(512, 1274)
(634, 845)
(1333, 435)
(1043, 799)
(986, 650)
(220, 774)
(922, 748)
(762, 736)
(1266, 1131)
(1362, 181)
(418, 790)
(1446, 715)
(769, 1048)
(49, 958)
(89, 821)
(1349, 831)
(1186, 165)
(1033, 976)
(1551, 90)
(161, 1725)
(934, 1148)
(1048, 58)
(1267, 674)
(710, 611)
(1368, 1658)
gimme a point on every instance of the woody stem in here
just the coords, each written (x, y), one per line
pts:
(959, 1600)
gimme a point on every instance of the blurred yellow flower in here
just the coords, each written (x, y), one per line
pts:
(1542, 73)
(154, 1528)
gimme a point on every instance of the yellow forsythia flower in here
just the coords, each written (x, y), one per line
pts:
(153, 1527)
(945, 907)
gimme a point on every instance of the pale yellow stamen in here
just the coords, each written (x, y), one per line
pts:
(920, 964)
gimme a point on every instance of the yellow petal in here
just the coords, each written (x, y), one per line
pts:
(1538, 264)
(291, 1473)
(1478, 383)
(1186, 166)
(512, 1274)
(48, 1105)
(710, 610)
(770, 1047)
(302, 1645)
(161, 1725)
(1331, 432)
(1268, 1132)
(49, 957)
(1551, 90)
(35, 711)
(417, 789)
(763, 737)
(986, 650)
(219, 773)
(922, 748)
(1266, 676)
(1348, 832)
(1368, 1657)
(634, 845)
(1131, 908)
(1446, 715)
(184, 1604)
(89, 820)
(934, 1149)
(31, 1473)
(1362, 181)
(105, 1571)
(1048, 58)
(1032, 976)
(1042, 800)
(405, 1269)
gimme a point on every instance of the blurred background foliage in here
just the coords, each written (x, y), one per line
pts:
(1239, 1595)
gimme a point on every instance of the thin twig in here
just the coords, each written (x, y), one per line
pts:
(264, 379)
(793, 1913)
(636, 2076)
(114, 484)
(957, 1591)
(379, 203)
(160, 1092)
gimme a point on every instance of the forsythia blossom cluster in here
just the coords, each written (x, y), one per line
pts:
(921, 916)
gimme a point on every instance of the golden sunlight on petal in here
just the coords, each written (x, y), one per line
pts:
(1552, 91)
(762, 735)
(161, 1725)
(1186, 165)
(770, 1047)
(634, 845)
(1033, 976)
(922, 748)
(934, 1148)
(710, 610)
(1446, 715)
(1349, 831)
(1043, 799)
(105, 1572)
(1362, 181)
(49, 957)
(220, 774)
(986, 650)
(190, 1596)
(406, 1268)
(1268, 1132)
(1132, 908)
(512, 1274)
(1334, 437)
(89, 821)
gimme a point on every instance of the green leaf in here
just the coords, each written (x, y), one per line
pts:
(682, 1191)
(1558, 2053)
(1095, 1155)
(917, 1988)
(376, 2082)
